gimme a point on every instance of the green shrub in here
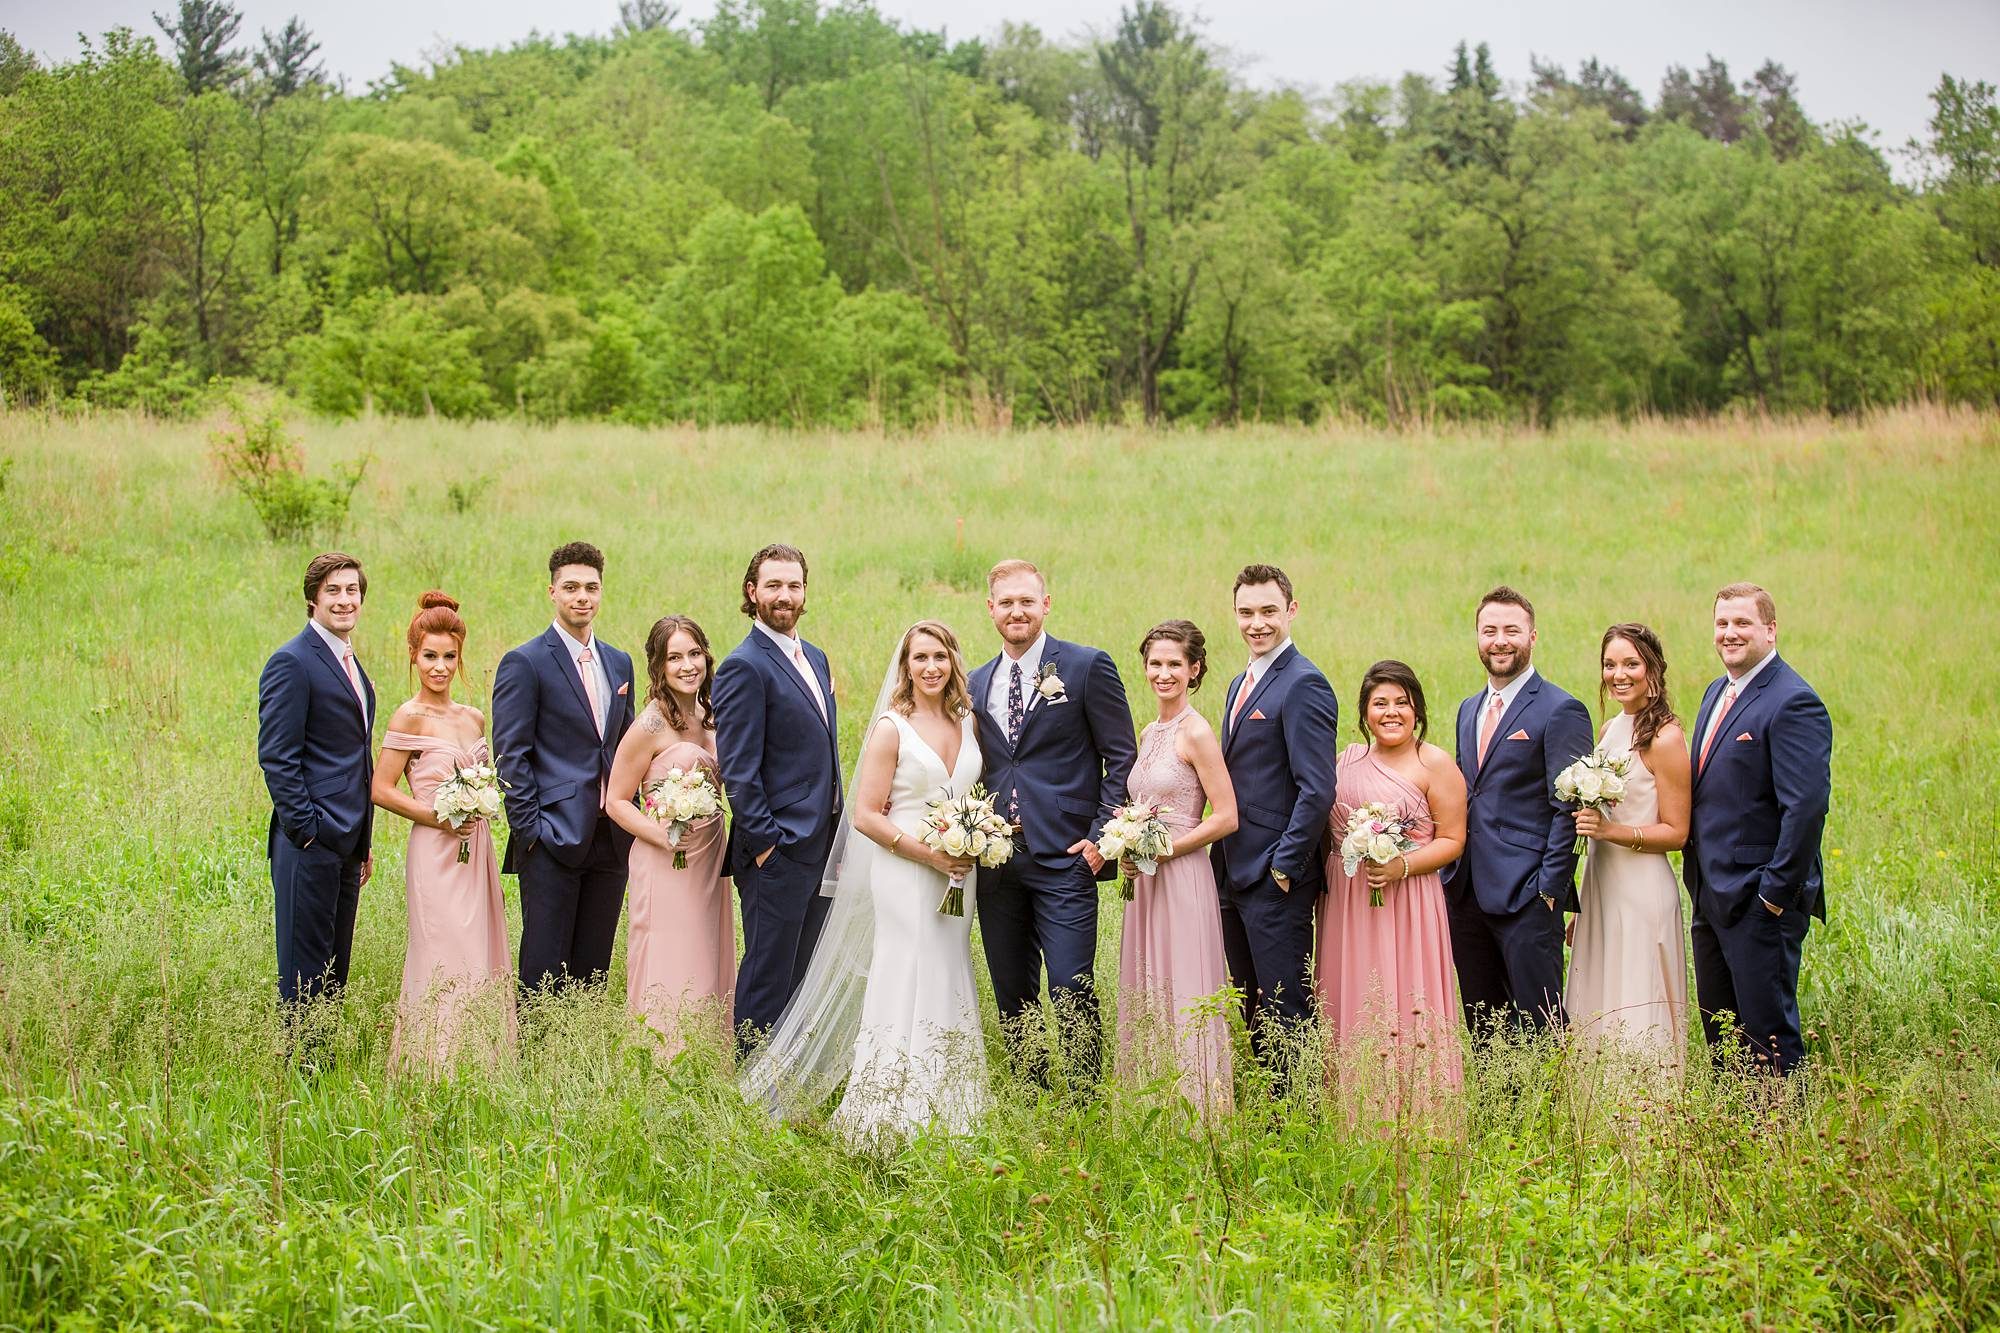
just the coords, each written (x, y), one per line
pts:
(267, 467)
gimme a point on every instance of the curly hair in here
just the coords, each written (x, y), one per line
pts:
(775, 551)
(1659, 710)
(657, 689)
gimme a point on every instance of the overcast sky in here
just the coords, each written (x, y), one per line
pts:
(1867, 60)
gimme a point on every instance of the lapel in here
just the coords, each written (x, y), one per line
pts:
(1468, 736)
(1032, 702)
(1285, 659)
(1229, 709)
(1744, 701)
(978, 684)
(567, 668)
(1506, 726)
(317, 649)
(791, 673)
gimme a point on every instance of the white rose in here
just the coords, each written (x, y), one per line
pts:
(1111, 846)
(1050, 685)
(978, 843)
(954, 841)
(1381, 848)
(1589, 788)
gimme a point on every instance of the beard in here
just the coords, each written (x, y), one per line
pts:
(781, 618)
(1519, 660)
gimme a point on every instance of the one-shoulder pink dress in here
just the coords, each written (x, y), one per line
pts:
(1387, 990)
(1170, 955)
(458, 978)
(680, 954)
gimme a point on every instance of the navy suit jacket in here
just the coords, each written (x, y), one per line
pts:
(546, 747)
(1075, 755)
(314, 743)
(1760, 802)
(1520, 842)
(1280, 753)
(780, 758)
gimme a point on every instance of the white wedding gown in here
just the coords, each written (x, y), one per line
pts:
(919, 1060)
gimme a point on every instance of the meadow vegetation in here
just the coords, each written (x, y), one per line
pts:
(162, 1166)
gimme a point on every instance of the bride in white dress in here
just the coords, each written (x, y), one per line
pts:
(888, 1002)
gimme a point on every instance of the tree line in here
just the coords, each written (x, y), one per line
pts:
(802, 215)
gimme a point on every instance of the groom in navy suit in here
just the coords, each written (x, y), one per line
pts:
(561, 704)
(315, 717)
(1763, 752)
(1507, 893)
(1056, 736)
(1279, 737)
(777, 738)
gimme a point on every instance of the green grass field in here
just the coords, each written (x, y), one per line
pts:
(160, 1166)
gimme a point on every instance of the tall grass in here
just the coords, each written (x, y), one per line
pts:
(160, 1165)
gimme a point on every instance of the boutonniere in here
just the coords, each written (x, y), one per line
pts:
(1048, 685)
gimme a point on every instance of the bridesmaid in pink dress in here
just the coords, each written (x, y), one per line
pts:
(458, 989)
(1170, 957)
(1387, 990)
(680, 954)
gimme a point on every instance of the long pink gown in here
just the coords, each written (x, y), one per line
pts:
(680, 955)
(1170, 955)
(458, 978)
(1387, 989)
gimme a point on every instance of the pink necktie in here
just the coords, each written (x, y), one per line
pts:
(1715, 727)
(354, 681)
(812, 686)
(1242, 697)
(1489, 726)
(590, 691)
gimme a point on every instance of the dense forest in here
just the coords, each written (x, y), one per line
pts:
(804, 215)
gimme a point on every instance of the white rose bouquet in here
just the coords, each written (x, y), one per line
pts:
(1138, 832)
(1596, 781)
(966, 826)
(471, 792)
(1374, 833)
(680, 800)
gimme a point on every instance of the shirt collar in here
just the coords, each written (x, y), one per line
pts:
(576, 649)
(1738, 681)
(1031, 660)
(332, 640)
(1512, 690)
(1259, 665)
(786, 641)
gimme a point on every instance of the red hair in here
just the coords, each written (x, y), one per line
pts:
(436, 614)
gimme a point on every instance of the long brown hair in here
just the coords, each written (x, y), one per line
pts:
(436, 614)
(1659, 710)
(657, 689)
(957, 694)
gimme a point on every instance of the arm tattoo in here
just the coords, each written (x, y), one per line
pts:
(651, 722)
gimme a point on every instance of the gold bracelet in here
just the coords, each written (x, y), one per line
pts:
(893, 841)
(1638, 840)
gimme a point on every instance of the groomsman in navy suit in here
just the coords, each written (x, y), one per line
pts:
(1279, 737)
(1056, 736)
(1763, 752)
(777, 737)
(1507, 893)
(561, 703)
(315, 718)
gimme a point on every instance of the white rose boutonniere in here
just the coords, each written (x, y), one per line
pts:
(1049, 686)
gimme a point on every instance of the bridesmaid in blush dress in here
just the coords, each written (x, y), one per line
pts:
(1387, 989)
(458, 989)
(1628, 972)
(1170, 956)
(680, 954)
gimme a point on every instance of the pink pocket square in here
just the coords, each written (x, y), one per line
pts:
(1746, 736)
(626, 688)
(1518, 736)
(1257, 715)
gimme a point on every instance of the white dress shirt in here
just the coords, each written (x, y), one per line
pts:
(600, 680)
(1507, 694)
(342, 650)
(996, 690)
(1739, 684)
(794, 650)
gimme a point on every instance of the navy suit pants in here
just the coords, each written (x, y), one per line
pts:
(783, 914)
(317, 895)
(1029, 912)
(1751, 969)
(1510, 967)
(569, 914)
(1267, 940)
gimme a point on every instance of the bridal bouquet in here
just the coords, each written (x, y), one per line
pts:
(1137, 831)
(966, 826)
(680, 800)
(471, 792)
(1596, 781)
(1374, 833)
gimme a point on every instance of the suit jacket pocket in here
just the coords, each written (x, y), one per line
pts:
(1526, 839)
(790, 795)
(330, 783)
(557, 791)
(1069, 805)
(1751, 856)
(1262, 817)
